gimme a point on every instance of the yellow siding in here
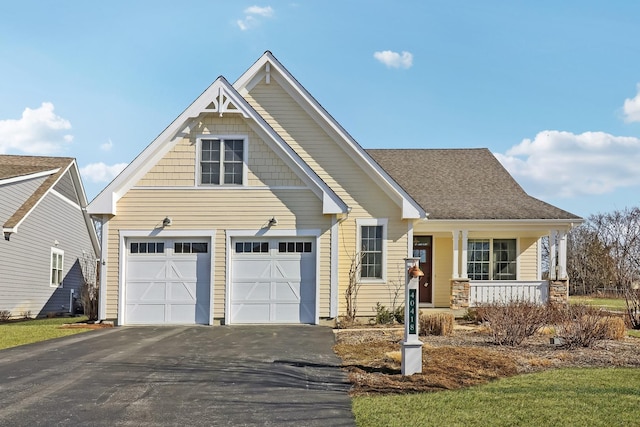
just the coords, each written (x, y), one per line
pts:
(178, 167)
(528, 258)
(442, 270)
(348, 180)
(218, 210)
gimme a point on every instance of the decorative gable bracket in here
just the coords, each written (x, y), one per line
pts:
(222, 103)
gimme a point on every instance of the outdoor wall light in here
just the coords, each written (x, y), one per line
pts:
(273, 221)
(166, 221)
(415, 272)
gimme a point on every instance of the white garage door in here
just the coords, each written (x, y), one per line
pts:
(273, 281)
(167, 281)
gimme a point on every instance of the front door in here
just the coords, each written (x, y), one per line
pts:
(423, 249)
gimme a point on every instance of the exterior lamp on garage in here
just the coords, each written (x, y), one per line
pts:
(166, 221)
(273, 222)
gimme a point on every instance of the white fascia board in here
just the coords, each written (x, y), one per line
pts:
(14, 229)
(331, 202)
(105, 202)
(540, 225)
(29, 176)
(410, 208)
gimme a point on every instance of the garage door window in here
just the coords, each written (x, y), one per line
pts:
(252, 247)
(190, 248)
(146, 248)
(294, 247)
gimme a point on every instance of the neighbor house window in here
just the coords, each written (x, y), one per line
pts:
(372, 248)
(222, 161)
(57, 264)
(491, 259)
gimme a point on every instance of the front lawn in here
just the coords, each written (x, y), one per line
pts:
(22, 332)
(612, 304)
(564, 397)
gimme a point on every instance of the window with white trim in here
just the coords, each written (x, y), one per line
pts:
(57, 267)
(222, 161)
(372, 241)
(492, 259)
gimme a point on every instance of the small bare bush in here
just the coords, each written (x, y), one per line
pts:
(5, 315)
(632, 298)
(616, 329)
(583, 326)
(436, 324)
(510, 323)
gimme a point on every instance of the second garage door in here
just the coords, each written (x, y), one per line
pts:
(273, 281)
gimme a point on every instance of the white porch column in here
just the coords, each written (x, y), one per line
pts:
(456, 254)
(465, 243)
(539, 255)
(562, 255)
(553, 250)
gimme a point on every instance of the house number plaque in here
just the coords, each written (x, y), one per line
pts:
(413, 318)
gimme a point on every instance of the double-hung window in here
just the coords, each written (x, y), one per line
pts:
(491, 259)
(372, 236)
(57, 267)
(222, 161)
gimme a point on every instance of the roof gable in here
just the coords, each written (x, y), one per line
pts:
(268, 68)
(463, 184)
(218, 98)
(54, 170)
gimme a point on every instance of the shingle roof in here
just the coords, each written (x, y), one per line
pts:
(12, 166)
(463, 184)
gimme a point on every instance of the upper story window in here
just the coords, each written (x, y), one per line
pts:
(222, 161)
(491, 259)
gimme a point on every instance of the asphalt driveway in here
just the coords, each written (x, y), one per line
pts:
(177, 376)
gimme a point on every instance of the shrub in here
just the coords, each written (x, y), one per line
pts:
(472, 315)
(583, 325)
(435, 324)
(616, 329)
(384, 316)
(398, 314)
(5, 315)
(510, 323)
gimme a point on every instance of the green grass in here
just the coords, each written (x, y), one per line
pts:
(634, 333)
(567, 397)
(29, 331)
(613, 304)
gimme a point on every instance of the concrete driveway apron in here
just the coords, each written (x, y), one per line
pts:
(177, 376)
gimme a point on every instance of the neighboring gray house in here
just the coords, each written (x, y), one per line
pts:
(47, 235)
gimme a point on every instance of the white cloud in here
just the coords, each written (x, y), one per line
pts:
(38, 132)
(394, 59)
(107, 146)
(267, 12)
(563, 164)
(631, 108)
(100, 172)
(251, 13)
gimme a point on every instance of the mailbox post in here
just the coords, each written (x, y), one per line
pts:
(411, 346)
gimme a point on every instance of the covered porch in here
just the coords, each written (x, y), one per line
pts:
(494, 261)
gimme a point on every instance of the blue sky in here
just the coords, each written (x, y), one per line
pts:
(551, 88)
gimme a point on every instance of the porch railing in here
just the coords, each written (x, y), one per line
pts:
(489, 291)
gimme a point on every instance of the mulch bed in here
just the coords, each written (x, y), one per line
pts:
(463, 359)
